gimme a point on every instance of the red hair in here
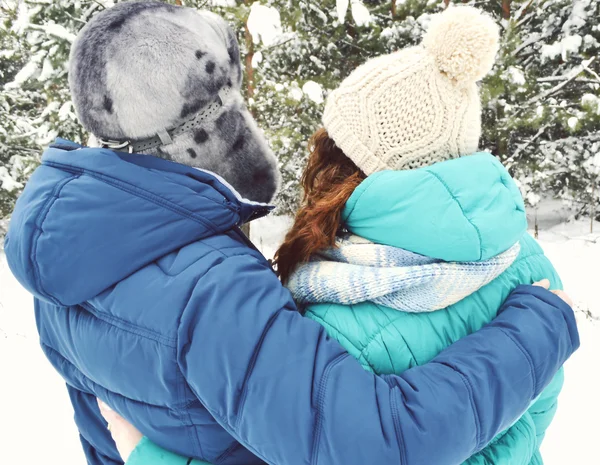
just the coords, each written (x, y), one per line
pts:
(329, 180)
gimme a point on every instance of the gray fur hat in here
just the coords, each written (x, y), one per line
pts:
(167, 80)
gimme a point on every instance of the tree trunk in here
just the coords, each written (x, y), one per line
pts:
(593, 206)
(447, 3)
(393, 9)
(178, 2)
(249, 57)
(249, 68)
(506, 8)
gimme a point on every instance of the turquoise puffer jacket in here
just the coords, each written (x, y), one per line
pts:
(468, 209)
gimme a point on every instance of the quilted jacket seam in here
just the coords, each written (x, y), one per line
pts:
(129, 327)
(250, 371)
(527, 357)
(321, 395)
(43, 215)
(390, 323)
(398, 428)
(138, 192)
(99, 386)
(369, 182)
(190, 426)
(501, 173)
(326, 325)
(476, 417)
(441, 181)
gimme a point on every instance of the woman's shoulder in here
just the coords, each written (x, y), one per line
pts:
(386, 341)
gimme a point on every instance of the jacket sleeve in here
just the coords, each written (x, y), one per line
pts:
(292, 395)
(98, 446)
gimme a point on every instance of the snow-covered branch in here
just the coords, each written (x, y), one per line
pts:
(571, 77)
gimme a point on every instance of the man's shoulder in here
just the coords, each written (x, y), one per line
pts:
(155, 296)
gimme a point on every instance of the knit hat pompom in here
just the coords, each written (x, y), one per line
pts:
(464, 43)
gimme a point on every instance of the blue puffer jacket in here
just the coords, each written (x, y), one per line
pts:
(148, 296)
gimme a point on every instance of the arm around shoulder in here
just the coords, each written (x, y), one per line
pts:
(291, 395)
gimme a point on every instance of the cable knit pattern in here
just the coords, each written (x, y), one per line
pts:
(358, 270)
(420, 105)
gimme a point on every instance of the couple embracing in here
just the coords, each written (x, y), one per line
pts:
(400, 325)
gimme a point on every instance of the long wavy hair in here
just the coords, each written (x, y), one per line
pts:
(328, 181)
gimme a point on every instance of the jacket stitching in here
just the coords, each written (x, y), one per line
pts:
(230, 450)
(140, 193)
(321, 404)
(544, 411)
(253, 360)
(130, 327)
(392, 322)
(512, 194)
(191, 430)
(94, 387)
(365, 189)
(397, 427)
(43, 215)
(361, 350)
(469, 389)
(461, 209)
(564, 317)
(527, 357)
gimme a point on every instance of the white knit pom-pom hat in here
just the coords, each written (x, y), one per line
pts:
(419, 105)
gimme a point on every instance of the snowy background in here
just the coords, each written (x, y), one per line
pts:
(36, 414)
(541, 102)
(541, 117)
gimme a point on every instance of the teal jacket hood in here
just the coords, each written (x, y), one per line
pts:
(467, 209)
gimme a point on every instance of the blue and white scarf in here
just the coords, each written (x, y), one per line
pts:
(358, 270)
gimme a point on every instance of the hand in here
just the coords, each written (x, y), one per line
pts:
(562, 294)
(125, 435)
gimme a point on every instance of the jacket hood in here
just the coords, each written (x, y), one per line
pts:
(467, 209)
(90, 217)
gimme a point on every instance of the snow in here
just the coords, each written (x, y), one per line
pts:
(56, 30)
(314, 91)
(32, 390)
(26, 73)
(360, 13)
(564, 47)
(257, 59)
(591, 101)
(66, 111)
(264, 24)
(572, 122)
(7, 182)
(268, 233)
(47, 70)
(516, 76)
(295, 92)
(342, 9)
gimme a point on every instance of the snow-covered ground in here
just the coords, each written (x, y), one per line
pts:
(36, 416)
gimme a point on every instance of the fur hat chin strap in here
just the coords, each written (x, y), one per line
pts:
(165, 136)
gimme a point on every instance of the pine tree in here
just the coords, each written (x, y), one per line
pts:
(541, 102)
(35, 105)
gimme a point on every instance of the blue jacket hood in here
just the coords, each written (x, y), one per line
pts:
(467, 209)
(90, 217)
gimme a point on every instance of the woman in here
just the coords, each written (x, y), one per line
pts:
(407, 241)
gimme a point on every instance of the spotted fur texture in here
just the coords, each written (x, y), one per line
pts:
(141, 67)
